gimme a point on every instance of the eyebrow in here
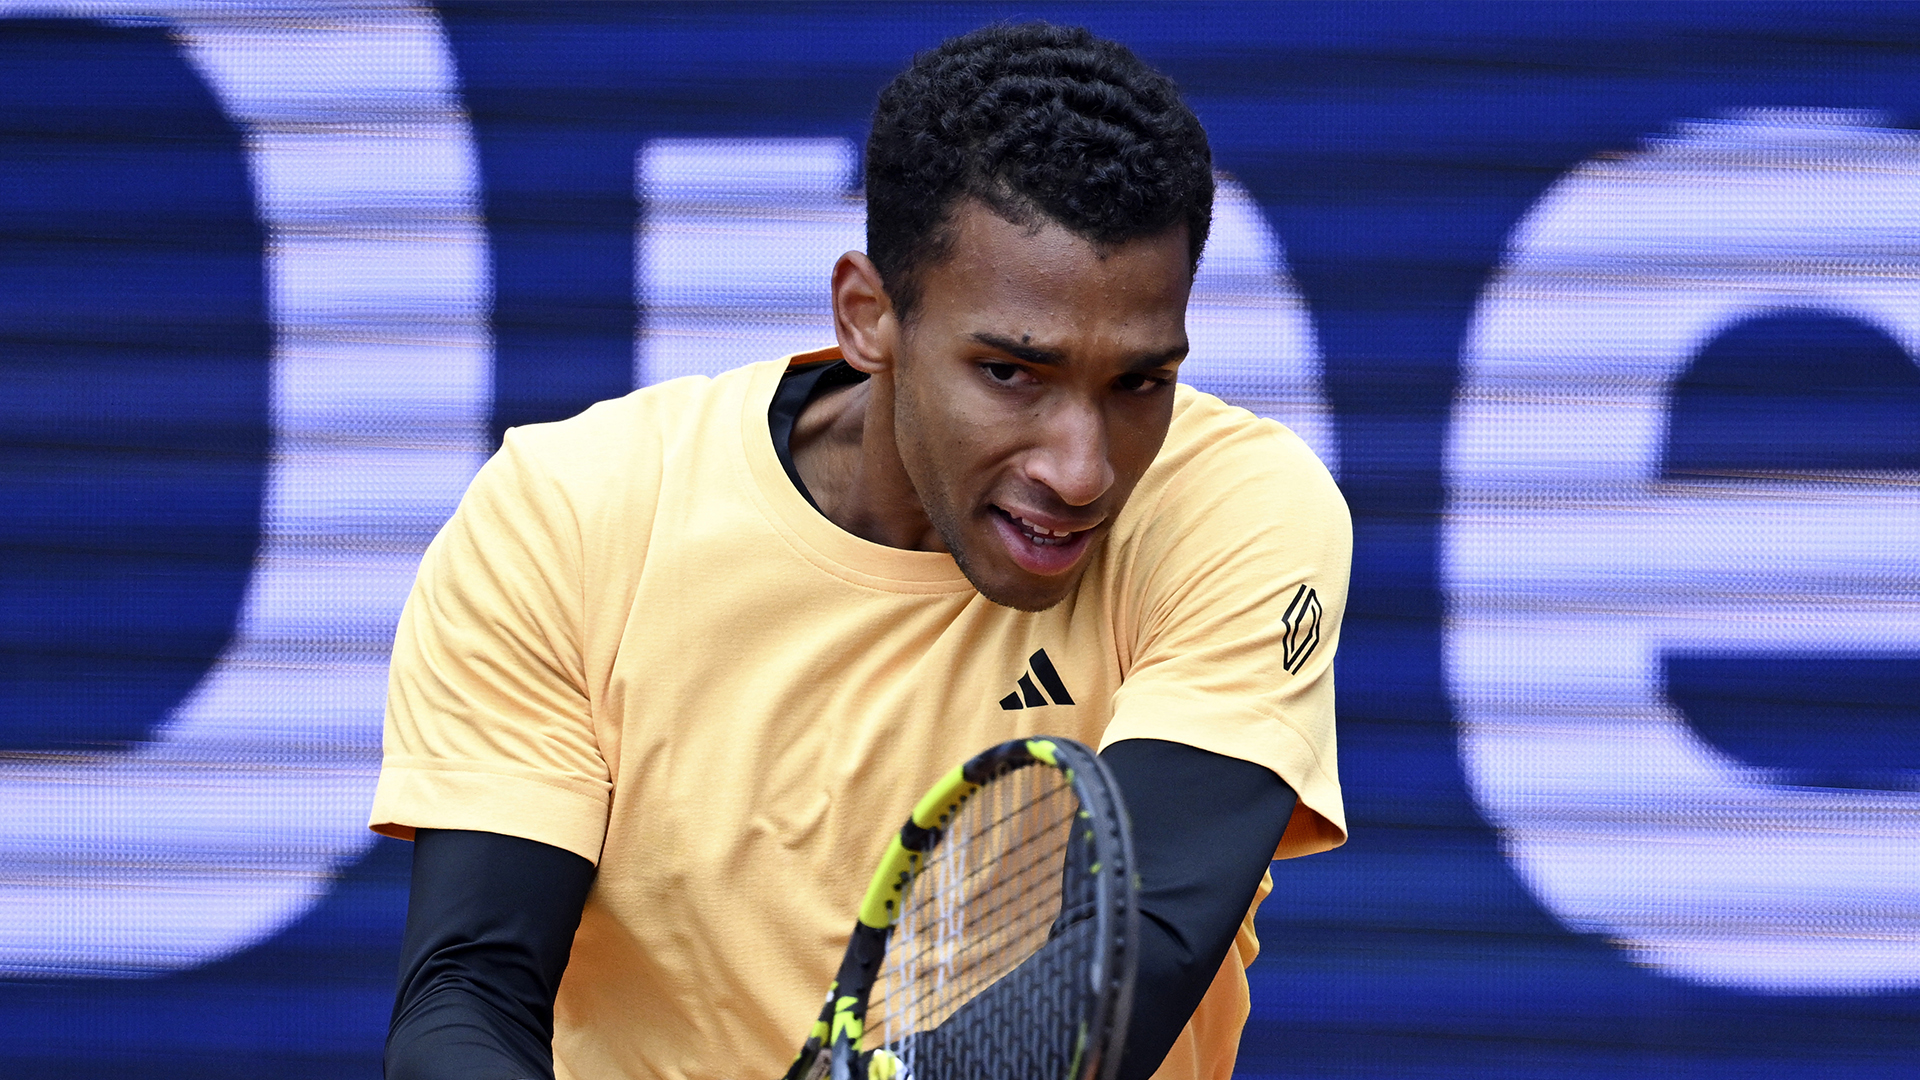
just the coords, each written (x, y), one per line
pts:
(1055, 358)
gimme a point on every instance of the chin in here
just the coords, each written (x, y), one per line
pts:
(998, 578)
(1009, 587)
(1027, 599)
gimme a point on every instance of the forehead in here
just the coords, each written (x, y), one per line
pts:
(1049, 280)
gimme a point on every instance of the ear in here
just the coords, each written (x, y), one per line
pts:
(863, 318)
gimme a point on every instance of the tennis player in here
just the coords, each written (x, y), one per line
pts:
(679, 666)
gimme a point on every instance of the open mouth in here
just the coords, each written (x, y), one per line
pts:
(1037, 548)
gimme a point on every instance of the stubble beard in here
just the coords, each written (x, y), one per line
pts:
(942, 515)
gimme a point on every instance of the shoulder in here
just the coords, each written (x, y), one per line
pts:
(577, 496)
(1220, 460)
(615, 433)
(562, 516)
(1235, 510)
(617, 450)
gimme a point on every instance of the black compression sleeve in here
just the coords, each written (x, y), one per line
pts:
(490, 924)
(1204, 829)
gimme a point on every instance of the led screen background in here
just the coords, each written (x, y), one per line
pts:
(1603, 313)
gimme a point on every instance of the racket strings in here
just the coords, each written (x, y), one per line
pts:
(972, 899)
(986, 911)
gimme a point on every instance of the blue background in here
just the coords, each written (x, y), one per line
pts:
(1393, 148)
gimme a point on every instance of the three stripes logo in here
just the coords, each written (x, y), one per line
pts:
(1029, 695)
(1302, 622)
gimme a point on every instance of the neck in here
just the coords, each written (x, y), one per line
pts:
(845, 451)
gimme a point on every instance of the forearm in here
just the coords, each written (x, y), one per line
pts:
(1204, 829)
(1173, 976)
(452, 1033)
(490, 924)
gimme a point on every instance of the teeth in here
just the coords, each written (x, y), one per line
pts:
(1040, 529)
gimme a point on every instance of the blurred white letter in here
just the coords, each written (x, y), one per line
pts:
(1570, 565)
(232, 821)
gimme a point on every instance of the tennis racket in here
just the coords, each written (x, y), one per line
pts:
(997, 938)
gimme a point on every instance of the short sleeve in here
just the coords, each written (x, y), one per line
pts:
(488, 724)
(1238, 575)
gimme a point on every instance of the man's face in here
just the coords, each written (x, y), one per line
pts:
(1033, 387)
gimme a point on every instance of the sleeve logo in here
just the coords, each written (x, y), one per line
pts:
(1302, 622)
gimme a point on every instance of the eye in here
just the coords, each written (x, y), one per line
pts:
(1005, 374)
(1138, 383)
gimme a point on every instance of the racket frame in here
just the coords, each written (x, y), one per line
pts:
(842, 1022)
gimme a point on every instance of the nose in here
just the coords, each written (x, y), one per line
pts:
(1072, 458)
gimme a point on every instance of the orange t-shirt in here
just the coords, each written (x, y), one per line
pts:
(635, 640)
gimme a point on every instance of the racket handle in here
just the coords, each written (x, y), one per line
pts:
(848, 1002)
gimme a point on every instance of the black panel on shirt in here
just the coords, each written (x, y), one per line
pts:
(800, 385)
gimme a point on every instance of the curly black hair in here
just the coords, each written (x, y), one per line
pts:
(1040, 123)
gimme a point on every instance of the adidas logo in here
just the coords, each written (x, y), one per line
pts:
(1029, 696)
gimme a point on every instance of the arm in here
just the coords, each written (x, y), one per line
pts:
(490, 923)
(1205, 828)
